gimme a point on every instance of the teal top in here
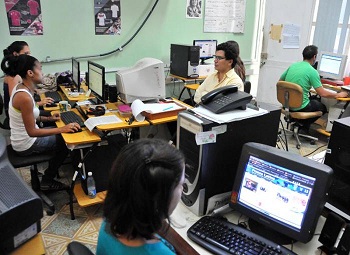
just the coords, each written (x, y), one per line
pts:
(108, 244)
(306, 76)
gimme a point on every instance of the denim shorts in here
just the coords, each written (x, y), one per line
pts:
(41, 144)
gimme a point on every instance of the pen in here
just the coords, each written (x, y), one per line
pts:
(168, 108)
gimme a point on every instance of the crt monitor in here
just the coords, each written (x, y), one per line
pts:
(145, 81)
(207, 48)
(76, 74)
(96, 80)
(283, 194)
(331, 65)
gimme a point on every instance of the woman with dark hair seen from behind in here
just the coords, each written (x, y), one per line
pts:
(145, 186)
(239, 68)
(26, 137)
(15, 49)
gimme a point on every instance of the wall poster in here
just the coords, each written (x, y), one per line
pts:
(107, 17)
(224, 16)
(24, 17)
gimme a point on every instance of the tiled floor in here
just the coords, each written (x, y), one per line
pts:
(59, 230)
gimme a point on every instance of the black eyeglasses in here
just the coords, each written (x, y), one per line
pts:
(218, 57)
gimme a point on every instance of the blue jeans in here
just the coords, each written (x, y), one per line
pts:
(49, 143)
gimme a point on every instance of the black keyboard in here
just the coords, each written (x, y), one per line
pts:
(70, 117)
(222, 237)
(54, 95)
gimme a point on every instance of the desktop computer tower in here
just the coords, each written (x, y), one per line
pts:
(20, 207)
(210, 169)
(338, 158)
(184, 60)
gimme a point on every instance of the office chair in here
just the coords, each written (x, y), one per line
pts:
(32, 161)
(290, 95)
(247, 87)
(76, 248)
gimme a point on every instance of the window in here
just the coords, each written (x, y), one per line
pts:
(330, 27)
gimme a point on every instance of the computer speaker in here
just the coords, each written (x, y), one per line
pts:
(330, 231)
(343, 247)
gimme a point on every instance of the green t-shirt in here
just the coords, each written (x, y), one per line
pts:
(306, 76)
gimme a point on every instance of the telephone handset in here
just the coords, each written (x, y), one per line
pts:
(225, 99)
(223, 90)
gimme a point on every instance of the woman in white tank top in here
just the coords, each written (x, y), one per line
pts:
(26, 137)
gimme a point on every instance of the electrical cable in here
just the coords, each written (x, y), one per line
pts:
(315, 150)
(115, 50)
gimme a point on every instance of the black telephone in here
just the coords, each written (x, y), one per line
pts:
(225, 99)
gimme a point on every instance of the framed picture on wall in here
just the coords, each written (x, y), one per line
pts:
(194, 9)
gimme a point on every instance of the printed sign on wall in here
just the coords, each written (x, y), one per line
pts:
(107, 17)
(24, 17)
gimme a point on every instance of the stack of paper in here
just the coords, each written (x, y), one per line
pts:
(92, 122)
(229, 116)
(138, 107)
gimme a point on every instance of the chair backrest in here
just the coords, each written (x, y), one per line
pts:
(289, 94)
(247, 86)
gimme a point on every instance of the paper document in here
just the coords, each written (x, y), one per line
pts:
(92, 122)
(138, 107)
(347, 87)
(86, 102)
(228, 116)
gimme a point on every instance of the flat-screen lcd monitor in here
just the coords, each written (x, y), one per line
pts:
(96, 80)
(76, 74)
(207, 48)
(331, 65)
(283, 194)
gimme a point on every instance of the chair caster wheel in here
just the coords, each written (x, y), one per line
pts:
(50, 212)
(298, 146)
(312, 142)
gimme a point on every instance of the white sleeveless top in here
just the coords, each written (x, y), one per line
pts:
(20, 140)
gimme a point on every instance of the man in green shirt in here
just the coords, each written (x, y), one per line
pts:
(303, 74)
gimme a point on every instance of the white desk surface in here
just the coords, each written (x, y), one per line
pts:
(182, 215)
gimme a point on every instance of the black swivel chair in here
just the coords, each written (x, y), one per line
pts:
(32, 161)
(247, 86)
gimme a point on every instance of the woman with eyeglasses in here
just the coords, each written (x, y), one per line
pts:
(225, 61)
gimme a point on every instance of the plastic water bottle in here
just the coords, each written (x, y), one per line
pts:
(91, 187)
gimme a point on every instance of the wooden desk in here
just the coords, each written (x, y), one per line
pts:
(113, 107)
(34, 246)
(84, 200)
(330, 107)
(75, 139)
(193, 86)
(81, 97)
(55, 108)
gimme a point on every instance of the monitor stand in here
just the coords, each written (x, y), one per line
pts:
(269, 233)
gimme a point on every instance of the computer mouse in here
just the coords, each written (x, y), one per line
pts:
(79, 130)
(51, 105)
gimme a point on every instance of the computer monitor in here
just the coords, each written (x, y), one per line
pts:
(282, 193)
(76, 74)
(144, 81)
(331, 65)
(207, 48)
(96, 80)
